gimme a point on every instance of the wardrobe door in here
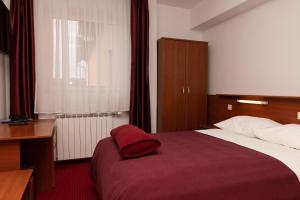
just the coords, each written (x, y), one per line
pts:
(196, 83)
(171, 85)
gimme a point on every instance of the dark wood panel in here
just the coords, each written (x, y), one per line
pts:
(180, 40)
(258, 97)
(279, 108)
(171, 82)
(39, 154)
(196, 83)
(9, 155)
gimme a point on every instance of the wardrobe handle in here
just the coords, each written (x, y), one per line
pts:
(188, 89)
(182, 90)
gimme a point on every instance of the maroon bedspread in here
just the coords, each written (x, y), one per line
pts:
(192, 166)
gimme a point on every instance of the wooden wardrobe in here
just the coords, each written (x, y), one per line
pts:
(182, 84)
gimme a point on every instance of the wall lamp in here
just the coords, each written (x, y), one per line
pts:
(252, 102)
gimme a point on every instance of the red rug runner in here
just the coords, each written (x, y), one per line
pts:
(72, 182)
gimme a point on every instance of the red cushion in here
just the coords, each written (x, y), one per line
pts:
(134, 142)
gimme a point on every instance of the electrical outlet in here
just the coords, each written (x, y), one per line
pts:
(298, 116)
(229, 107)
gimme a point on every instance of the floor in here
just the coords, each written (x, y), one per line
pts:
(72, 182)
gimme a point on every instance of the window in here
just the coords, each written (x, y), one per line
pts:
(83, 56)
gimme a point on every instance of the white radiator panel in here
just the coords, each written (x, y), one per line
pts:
(77, 137)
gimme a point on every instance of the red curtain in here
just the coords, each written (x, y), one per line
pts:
(139, 92)
(22, 58)
(4, 20)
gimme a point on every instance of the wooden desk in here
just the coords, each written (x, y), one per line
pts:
(14, 183)
(30, 145)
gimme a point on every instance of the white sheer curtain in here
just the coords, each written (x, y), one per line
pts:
(4, 86)
(82, 56)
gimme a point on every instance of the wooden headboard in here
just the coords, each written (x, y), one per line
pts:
(279, 108)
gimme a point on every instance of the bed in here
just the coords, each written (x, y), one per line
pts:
(211, 164)
(208, 164)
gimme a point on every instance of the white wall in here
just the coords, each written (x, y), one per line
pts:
(257, 52)
(208, 9)
(175, 23)
(211, 12)
(153, 12)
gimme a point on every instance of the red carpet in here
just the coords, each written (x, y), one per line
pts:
(72, 182)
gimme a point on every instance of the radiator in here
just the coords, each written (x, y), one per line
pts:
(78, 135)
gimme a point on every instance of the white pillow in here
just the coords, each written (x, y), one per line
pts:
(287, 135)
(246, 125)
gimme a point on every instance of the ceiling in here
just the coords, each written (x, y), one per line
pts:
(180, 3)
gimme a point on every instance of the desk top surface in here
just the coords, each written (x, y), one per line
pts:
(33, 130)
(13, 183)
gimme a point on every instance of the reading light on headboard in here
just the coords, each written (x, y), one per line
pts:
(252, 102)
